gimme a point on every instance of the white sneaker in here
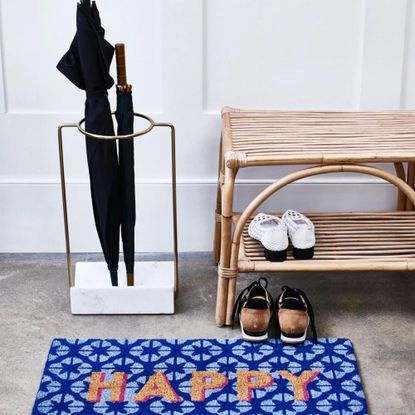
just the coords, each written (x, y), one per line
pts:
(301, 233)
(272, 233)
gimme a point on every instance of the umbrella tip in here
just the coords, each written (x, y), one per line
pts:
(130, 279)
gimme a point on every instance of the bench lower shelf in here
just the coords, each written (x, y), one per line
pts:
(357, 241)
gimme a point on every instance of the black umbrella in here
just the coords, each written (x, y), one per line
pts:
(86, 64)
(125, 120)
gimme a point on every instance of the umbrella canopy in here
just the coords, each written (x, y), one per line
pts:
(86, 64)
(125, 120)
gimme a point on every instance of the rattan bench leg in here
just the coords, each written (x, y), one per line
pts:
(402, 200)
(217, 235)
(411, 181)
(218, 211)
(231, 297)
(226, 242)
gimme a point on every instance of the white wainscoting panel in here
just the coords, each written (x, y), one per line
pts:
(383, 54)
(187, 59)
(282, 54)
(35, 36)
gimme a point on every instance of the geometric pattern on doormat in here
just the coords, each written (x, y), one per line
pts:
(200, 376)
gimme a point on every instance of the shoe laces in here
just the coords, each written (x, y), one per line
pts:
(308, 305)
(243, 297)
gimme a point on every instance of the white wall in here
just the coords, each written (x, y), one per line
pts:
(187, 59)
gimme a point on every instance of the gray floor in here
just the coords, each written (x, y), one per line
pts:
(376, 310)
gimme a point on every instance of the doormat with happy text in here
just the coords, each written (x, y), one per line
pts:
(200, 376)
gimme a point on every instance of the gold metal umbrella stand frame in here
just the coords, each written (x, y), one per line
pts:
(157, 284)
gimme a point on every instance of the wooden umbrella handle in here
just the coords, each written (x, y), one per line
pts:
(121, 67)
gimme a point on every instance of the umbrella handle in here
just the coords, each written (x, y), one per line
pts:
(121, 66)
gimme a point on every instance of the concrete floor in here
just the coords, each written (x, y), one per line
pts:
(375, 310)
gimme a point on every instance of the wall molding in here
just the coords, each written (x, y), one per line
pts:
(3, 95)
(406, 52)
(361, 53)
(203, 182)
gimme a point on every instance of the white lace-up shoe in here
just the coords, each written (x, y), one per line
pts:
(272, 233)
(301, 233)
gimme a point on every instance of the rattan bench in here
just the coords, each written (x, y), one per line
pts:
(337, 142)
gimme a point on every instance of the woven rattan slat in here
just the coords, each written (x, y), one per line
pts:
(298, 137)
(373, 239)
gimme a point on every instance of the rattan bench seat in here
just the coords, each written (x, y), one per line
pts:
(298, 137)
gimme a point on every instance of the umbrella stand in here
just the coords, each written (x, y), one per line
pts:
(121, 308)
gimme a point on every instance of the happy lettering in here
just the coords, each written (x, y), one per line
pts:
(158, 385)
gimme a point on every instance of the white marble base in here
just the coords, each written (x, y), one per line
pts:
(153, 292)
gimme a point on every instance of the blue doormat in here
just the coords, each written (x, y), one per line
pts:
(198, 377)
